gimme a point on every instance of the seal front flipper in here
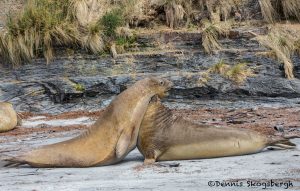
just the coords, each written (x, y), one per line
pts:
(149, 161)
(123, 144)
(151, 155)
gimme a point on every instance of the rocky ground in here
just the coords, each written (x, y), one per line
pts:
(80, 81)
(276, 165)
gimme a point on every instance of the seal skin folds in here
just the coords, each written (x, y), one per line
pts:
(8, 117)
(164, 136)
(109, 139)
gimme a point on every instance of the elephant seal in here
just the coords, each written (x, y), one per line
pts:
(164, 136)
(109, 139)
(8, 117)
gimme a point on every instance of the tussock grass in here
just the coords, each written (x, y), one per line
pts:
(291, 8)
(179, 10)
(271, 9)
(284, 44)
(92, 38)
(219, 68)
(95, 25)
(268, 11)
(174, 12)
(45, 24)
(221, 9)
(239, 73)
(211, 33)
(35, 30)
(135, 11)
(88, 11)
(111, 21)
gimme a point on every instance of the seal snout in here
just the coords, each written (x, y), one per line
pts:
(169, 84)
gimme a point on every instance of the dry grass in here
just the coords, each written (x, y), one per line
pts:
(284, 44)
(88, 11)
(220, 68)
(136, 11)
(268, 11)
(35, 30)
(45, 24)
(291, 8)
(271, 9)
(221, 10)
(211, 33)
(174, 13)
(92, 39)
(178, 11)
(239, 73)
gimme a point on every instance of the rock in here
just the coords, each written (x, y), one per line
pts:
(279, 128)
(89, 82)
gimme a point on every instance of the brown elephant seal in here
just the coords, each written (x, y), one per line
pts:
(109, 139)
(164, 136)
(8, 117)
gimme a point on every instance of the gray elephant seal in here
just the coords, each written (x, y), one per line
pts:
(107, 141)
(164, 136)
(8, 117)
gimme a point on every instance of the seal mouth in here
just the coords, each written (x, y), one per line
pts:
(170, 85)
(168, 88)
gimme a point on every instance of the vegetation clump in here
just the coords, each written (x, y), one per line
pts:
(271, 9)
(45, 24)
(211, 33)
(237, 73)
(42, 25)
(111, 21)
(283, 43)
(219, 68)
(79, 87)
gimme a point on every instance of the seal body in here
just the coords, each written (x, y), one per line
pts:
(8, 117)
(109, 139)
(164, 136)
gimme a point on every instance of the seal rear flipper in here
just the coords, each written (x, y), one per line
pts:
(283, 141)
(13, 162)
(282, 144)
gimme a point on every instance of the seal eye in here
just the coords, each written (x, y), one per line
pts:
(161, 83)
